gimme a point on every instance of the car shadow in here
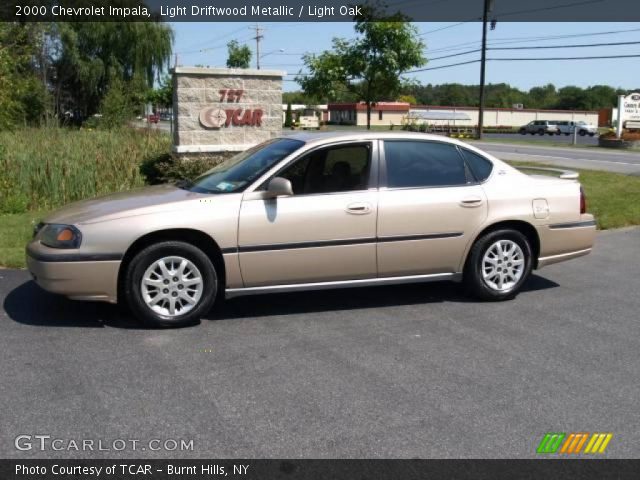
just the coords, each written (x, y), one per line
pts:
(28, 304)
(296, 303)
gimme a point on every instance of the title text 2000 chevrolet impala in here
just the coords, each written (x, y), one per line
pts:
(314, 211)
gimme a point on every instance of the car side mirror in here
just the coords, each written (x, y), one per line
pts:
(279, 187)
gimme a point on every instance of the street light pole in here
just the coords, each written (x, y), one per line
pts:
(483, 61)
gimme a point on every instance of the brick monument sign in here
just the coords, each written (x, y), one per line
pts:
(223, 110)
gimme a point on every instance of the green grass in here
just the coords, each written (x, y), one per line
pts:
(613, 198)
(15, 232)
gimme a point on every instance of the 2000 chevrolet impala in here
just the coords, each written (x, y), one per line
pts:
(314, 211)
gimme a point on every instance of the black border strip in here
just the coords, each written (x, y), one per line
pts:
(336, 243)
(73, 257)
(560, 226)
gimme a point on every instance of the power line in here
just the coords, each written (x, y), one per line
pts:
(233, 32)
(524, 59)
(602, 57)
(510, 40)
(562, 46)
(556, 7)
(441, 66)
(443, 28)
(456, 54)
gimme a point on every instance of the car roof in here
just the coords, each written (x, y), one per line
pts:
(328, 137)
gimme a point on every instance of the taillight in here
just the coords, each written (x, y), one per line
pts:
(583, 201)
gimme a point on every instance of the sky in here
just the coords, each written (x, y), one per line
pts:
(284, 43)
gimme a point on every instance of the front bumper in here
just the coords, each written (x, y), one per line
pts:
(77, 276)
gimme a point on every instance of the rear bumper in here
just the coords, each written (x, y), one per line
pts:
(564, 241)
(78, 279)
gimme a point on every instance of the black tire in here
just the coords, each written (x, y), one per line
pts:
(566, 134)
(472, 276)
(582, 133)
(144, 259)
(592, 134)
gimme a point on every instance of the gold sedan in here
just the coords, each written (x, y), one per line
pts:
(314, 211)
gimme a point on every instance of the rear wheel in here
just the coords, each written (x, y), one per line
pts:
(170, 284)
(498, 265)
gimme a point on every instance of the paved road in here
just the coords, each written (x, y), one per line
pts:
(586, 158)
(404, 371)
(544, 139)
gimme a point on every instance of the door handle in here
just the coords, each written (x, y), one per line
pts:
(470, 202)
(359, 208)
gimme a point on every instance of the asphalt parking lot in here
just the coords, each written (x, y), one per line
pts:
(403, 371)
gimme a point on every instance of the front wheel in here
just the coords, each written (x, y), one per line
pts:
(498, 265)
(170, 284)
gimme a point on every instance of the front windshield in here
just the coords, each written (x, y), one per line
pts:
(237, 172)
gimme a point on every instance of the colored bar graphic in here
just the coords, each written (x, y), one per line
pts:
(550, 442)
(573, 442)
(598, 443)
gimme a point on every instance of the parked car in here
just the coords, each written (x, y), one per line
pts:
(313, 211)
(153, 118)
(583, 128)
(540, 127)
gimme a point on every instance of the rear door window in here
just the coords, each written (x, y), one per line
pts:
(412, 164)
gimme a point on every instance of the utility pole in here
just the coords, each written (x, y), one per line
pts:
(483, 61)
(257, 38)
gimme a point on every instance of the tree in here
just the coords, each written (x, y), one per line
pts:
(542, 97)
(288, 116)
(24, 99)
(369, 66)
(116, 106)
(407, 99)
(92, 54)
(163, 95)
(239, 56)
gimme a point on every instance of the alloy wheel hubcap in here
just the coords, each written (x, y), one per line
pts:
(172, 286)
(503, 265)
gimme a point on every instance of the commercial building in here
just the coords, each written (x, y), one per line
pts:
(382, 113)
(397, 113)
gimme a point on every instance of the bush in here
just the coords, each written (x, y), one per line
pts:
(49, 167)
(168, 167)
(626, 135)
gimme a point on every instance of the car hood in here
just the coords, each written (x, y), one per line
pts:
(125, 204)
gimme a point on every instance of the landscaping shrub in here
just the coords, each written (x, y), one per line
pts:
(167, 167)
(626, 135)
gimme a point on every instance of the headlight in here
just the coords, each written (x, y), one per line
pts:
(60, 236)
